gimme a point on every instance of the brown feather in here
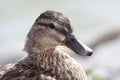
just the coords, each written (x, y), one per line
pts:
(46, 60)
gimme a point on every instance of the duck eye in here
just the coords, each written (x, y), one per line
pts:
(52, 26)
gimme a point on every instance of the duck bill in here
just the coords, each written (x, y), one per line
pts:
(78, 47)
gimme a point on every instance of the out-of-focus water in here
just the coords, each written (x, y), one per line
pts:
(89, 19)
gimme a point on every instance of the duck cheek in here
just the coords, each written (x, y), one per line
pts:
(60, 37)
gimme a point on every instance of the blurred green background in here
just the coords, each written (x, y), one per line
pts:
(95, 22)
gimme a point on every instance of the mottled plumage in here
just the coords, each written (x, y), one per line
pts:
(47, 59)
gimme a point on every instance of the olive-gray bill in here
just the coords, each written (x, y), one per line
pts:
(77, 46)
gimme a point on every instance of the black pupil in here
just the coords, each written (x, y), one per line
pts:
(51, 25)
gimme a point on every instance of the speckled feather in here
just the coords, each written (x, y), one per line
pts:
(51, 65)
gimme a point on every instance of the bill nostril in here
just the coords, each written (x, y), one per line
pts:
(90, 53)
(72, 39)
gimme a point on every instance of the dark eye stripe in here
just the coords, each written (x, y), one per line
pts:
(52, 26)
(42, 24)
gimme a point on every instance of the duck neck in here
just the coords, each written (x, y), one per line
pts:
(38, 47)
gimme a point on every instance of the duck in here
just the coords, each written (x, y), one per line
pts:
(47, 58)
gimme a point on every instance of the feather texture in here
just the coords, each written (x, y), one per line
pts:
(49, 65)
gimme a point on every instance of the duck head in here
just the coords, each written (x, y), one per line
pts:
(51, 29)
